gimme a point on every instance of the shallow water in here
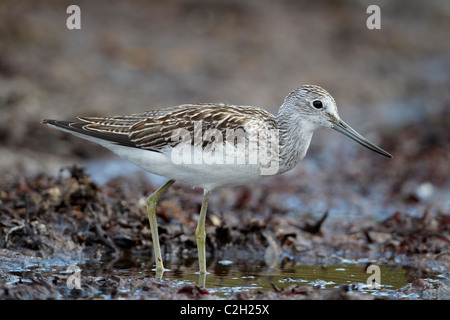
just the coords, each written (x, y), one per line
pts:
(224, 277)
(233, 277)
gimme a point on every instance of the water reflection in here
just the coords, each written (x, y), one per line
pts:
(226, 276)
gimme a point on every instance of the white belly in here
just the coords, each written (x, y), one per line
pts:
(197, 170)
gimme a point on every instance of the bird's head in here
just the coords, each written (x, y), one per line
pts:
(317, 109)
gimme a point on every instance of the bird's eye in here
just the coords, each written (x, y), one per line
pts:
(317, 104)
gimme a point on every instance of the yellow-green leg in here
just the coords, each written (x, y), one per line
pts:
(200, 234)
(151, 211)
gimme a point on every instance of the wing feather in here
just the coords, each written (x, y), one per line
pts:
(154, 130)
(157, 132)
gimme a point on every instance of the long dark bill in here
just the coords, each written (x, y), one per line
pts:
(344, 128)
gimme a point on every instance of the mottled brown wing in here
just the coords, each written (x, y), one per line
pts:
(157, 129)
(161, 131)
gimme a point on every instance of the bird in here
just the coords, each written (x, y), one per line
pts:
(214, 145)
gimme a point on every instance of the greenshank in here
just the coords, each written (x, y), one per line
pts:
(213, 145)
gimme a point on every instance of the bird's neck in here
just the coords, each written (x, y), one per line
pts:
(294, 138)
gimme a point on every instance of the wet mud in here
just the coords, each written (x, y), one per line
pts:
(49, 223)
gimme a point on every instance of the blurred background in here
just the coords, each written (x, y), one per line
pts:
(392, 85)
